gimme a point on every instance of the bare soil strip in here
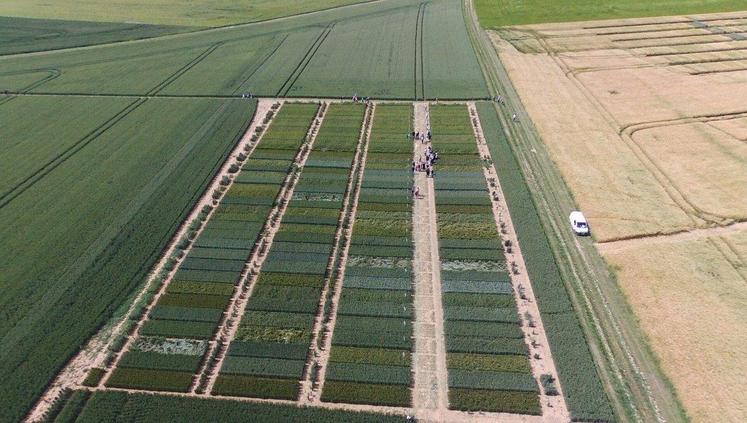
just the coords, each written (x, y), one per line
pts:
(429, 359)
(94, 353)
(310, 388)
(237, 306)
(554, 408)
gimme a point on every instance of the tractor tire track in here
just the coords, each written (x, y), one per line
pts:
(261, 64)
(418, 62)
(40, 173)
(288, 84)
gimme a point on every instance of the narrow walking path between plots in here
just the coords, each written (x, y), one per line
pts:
(554, 408)
(429, 360)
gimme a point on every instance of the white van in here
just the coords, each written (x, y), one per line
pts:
(578, 223)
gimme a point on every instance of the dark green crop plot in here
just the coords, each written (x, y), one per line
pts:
(192, 310)
(145, 408)
(374, 328)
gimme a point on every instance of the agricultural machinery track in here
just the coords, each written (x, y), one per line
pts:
(52, 74)
(632, 378)
(41, 172)
(325, 322)
(261, 63)
(208, 373)
(636, 242)
(301, 66)
(418, 71)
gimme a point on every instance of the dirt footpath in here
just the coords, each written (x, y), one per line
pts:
(429, 360)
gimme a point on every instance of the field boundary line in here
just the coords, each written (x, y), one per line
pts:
(234, 313)
(535, 337)
(206, 199)
(94, 352)
(318, 359)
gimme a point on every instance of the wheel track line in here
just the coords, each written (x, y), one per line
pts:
(92, 135)
(320, 356)
(206, 199)
(226, 331)
(288, 84)
(66, 154)
(261, 64)
(415, 63)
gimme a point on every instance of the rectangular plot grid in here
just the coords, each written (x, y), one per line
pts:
(268, 355)
(372, 341)
(173, 341)
(488, 367)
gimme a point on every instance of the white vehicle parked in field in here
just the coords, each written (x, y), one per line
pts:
(578, 223)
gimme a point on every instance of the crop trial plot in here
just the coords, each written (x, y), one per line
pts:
(268, 354)
(371, 345)
(193, 306)
(486, 357)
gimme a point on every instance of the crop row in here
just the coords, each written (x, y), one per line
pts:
(268, 355)
(195, 301)
(371, 345)
(487, 361)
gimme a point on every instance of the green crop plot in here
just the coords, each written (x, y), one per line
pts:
(268, 356)
(98, 198)
(497, 13)
(21, 35)
(371, 345)
(487, 362)
(196, 316)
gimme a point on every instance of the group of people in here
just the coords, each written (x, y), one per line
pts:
(426, 162)
(423, 137)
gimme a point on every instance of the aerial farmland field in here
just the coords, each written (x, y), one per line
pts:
(349, 210)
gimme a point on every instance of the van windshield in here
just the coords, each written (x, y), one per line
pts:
(581, 224)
